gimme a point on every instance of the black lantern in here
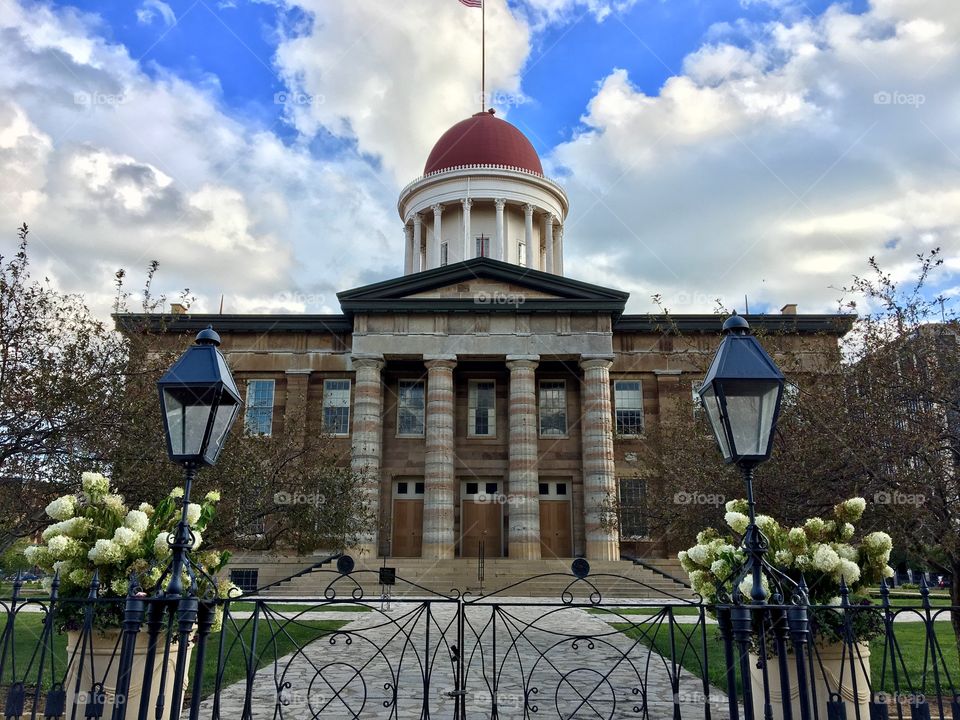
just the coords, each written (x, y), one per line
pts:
(741, 395)
(199, 401)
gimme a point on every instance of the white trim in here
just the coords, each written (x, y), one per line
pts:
(643, 418)
(248, 405)
(349, 405)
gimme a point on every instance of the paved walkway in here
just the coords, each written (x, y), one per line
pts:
(527, 660)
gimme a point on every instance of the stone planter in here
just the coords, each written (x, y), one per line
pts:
(102, 666)
(827, 662)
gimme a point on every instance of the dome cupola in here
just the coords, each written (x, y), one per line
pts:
(483, 139)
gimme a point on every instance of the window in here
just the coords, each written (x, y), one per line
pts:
(482, 246)
(522, 253)
(245, 578)
(482, 410)
(633, 508)
(410, 405)
(336, 407)
(628, 407)
(259, 415)
(444, 253)
(553, 407)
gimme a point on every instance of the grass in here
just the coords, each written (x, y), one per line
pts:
(274, 641)
(615, 611)
(910, 639)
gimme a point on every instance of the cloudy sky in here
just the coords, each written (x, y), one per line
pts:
(711, 148)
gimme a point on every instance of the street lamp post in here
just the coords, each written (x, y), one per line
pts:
(741, 394)
(199, 401)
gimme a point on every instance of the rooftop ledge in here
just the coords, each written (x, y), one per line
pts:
(490, 169)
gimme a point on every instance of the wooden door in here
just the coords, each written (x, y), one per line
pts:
(555, 529)
(407, 527)
(481, 521)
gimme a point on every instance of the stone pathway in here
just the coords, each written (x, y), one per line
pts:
(528, 660)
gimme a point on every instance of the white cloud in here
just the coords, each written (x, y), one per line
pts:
(774, 169)
(151, 10)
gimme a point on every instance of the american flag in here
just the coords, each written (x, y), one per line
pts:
(472, 3)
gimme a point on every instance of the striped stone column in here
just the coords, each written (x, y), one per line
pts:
(367, 448)
(599, 478)
(523, 488)
(438, 496)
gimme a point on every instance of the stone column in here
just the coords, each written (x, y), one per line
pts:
(467, 239)
(367, 446)
(437, 236)
(438, 538)
(408, 249)
(523, 489)
(599, 479)
(498, 251)
(418, 243)
(533, 256)
(548, 242)
(558, 249)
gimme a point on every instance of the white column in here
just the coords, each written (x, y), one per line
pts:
(499, 251)
(548, 241)
(558, 249)
(439, 478)
(367, 447)
(408, 249)
(418, 243)
(523, 489)
(599, 473)
(467, 239)
(533, 254)
(437, 235)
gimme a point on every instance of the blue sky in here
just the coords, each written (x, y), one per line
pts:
(711, 149)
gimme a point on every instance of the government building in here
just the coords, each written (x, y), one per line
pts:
(492, 403)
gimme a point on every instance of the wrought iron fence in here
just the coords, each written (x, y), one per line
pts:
(598, 650)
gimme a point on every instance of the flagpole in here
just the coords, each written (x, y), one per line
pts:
(483, 54)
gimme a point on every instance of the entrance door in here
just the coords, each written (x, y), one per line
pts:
(407, 518)
(481, 519)
(555, 540)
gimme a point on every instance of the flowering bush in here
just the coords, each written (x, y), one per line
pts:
(821, 550)
(96, 531)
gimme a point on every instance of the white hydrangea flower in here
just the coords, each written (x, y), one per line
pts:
(720, 568)
(193, 514)
(725, 549)
(855, 507)
(197, 539)
(120, 586)
(125, 537)
(700, 554)
(768, 526)
(212, 497)
(737, 521)
(815, 526)
(783, 558)
(878, 543)
(160, 545)
(176, 493)
(60, 546)
(62, 567)
(888, 571)
(146, 508)
(746, 586)
(79, 577)
(62, 508)
(825, 559)
(105, 552)
(30, 552)
(849, 571)
(115, 503)
(94, 483)
(846, 531)
(137, 521)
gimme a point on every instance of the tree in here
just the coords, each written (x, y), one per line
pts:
(77, 394)
(61, 373)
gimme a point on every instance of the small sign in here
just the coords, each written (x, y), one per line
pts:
(388, 576)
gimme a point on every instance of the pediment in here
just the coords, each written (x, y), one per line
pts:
(482, 281)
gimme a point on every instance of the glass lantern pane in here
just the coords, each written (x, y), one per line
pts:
(226, 413)
(187, 416)
(750, 407)
(712, 405)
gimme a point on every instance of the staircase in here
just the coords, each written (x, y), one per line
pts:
(546, 579)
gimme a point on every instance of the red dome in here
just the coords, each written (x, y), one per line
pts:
(483, 140)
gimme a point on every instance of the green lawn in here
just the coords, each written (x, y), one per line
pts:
(616, 611)
(273, 642)
(910, 640)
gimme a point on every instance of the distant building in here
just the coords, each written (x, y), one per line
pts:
(487, 397)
